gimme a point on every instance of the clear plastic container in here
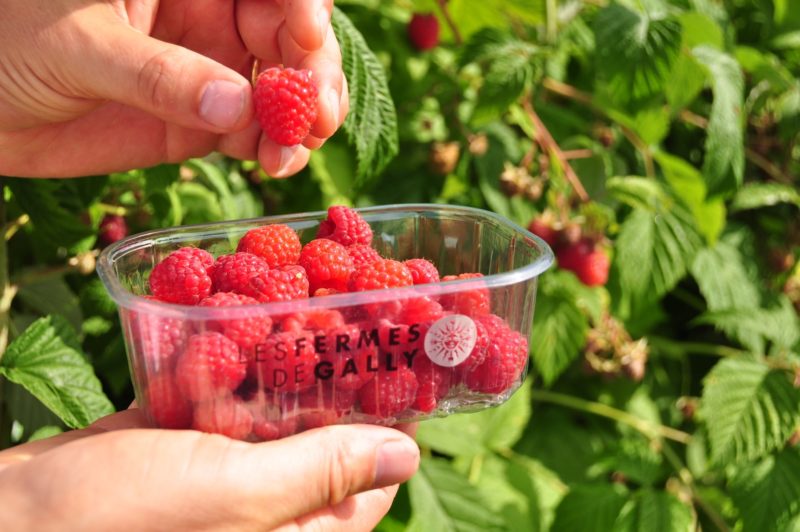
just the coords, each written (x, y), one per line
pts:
(379, 356)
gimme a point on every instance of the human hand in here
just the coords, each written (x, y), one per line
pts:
(117, 475)
(89, 87)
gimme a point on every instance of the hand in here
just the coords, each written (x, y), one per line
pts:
(114, 475)
(89, 86)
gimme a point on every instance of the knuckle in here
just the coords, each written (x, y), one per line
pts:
(158, 76)
(340, 471)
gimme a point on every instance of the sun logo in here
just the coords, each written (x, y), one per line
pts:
(450, 340)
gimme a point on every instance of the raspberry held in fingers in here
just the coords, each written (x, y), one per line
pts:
(286, 104)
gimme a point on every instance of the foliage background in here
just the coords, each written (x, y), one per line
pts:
(680, 118)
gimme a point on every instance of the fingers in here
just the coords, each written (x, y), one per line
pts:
(259, 21)
(308, 21)
(359, 512)
(168, 81)
(281, 161)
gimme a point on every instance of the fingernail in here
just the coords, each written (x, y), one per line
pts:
(324, 20)
(222, 103)
(287, 154)
(397, 461)
(333, 102)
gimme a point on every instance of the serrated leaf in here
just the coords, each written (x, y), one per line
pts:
(723, 167)
(687, 77)
(655, 245)
(217, 180)
(767, 492)
(635, 51)
(53, 296)
(559, 331)
(635, 458)
(722, 277)
(371, 125)
(655, 511)
(443, 500)
(748, 409)
(758, 195)
(47, 361)
(495, 429)
(590, 508)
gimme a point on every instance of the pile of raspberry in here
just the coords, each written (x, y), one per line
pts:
(258, 375)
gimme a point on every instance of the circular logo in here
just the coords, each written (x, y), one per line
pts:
(450, 340)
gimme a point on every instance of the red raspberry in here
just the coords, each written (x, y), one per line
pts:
(345, 226)
(286, 104)
(281, 284)
(327, 264)
(400, 339)
(326, 397)
(113, 228)
(325, 292)
(350, 357)
(168, 408)
(506, 356)
(246, 331)
(542, 228)
(478, 354)
(226, 416)
(587, 262)
(277, 244)
(313, 320)
(161, 339)
(389, 393)
(385, 273)
(472, 302)
(272, 429)
(434, 383)
(362, 254)
(420, 310)
(422, 271)
(423, 31)
(182, 277)
(211, 364)
(232, 273)
(285, 361)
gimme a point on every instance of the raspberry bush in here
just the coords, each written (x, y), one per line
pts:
(653, 144)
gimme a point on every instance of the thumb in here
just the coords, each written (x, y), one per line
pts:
(171, 82)
(323, 467)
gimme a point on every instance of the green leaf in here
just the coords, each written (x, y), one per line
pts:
(332, 168)
(758, 195)
(45, 432)
(217, 179)
(722, 277)
(443, 500)
(767, 492)
(723, 167)
(635, 458)
(47, 361)
(57, 224)
(590, 508)
(688, 184)
(748, 409)
(496, 429)
(655, 511)
(655, 244)
(559, 330)
(635, 51)
(26, 409)
(371, 125)
(53, 296)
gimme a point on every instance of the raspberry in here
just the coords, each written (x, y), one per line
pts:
(277, 244)
(313, 320)
(168, 408)
(400, 338)
(422, 271)
(478, 354)
(472, 302)
(541, 228)
(325, 292)
(327, 264)
(246, 331)
(587, 262)
(232, 273)
(112, 228)
(182, 277)
(434, 383)
(286, 104)
(345, 226)
(389, 393)
(285, 361)
(281, 284)
(420, 310)
(226, 416)
(385, 273)
(506, 356)
(267, 430)
(350, 357)
(423, 31)
(362, 254)
(210, 364)
(328, 398)
(159, 338)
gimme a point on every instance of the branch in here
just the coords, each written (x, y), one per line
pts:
(549, 145)
(7, 292)
(450, 22)
(13, 226)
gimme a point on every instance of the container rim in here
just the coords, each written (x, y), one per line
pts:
(124, 298)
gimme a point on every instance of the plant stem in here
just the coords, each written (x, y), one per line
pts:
(7, 292)
(551, 8)
(450, 22)
(13, 226)
(651, 430)
(698, 348)
(549, 145)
